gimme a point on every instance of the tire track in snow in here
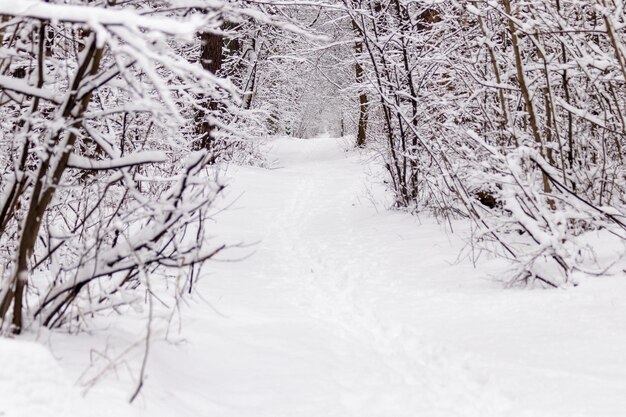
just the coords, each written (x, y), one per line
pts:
(389, 370)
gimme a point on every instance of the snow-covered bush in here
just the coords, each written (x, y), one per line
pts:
(509, 113)
(101, 187)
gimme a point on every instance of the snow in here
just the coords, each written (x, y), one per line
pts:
(22, 87)
(139, 158)
(97, 16)
(345, 308)
(33, 384)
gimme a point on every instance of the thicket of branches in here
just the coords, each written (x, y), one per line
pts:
(111, 117)
(510, 113)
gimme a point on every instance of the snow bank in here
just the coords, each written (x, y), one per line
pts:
(33, 384)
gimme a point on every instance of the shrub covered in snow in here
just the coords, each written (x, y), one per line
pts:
(509, 113)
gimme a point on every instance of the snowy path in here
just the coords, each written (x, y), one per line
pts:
(346, 311)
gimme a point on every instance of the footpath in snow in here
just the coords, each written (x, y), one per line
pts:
(346, 309)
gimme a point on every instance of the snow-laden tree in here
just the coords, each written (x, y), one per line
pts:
(510, 113)
(102, 182)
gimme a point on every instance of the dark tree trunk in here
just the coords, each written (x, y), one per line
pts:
(362, 128)
(211, 55)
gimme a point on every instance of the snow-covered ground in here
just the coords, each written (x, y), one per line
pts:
(348, 309)
(33, 384)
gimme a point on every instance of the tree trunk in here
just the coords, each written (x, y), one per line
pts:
(363, 104)
(211, 55)
(52, 165)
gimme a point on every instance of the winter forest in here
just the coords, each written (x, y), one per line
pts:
(316, 208)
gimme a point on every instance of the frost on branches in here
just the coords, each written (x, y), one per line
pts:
(101, 185)
(509, 113)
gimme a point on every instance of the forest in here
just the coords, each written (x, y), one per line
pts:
(352, 183)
